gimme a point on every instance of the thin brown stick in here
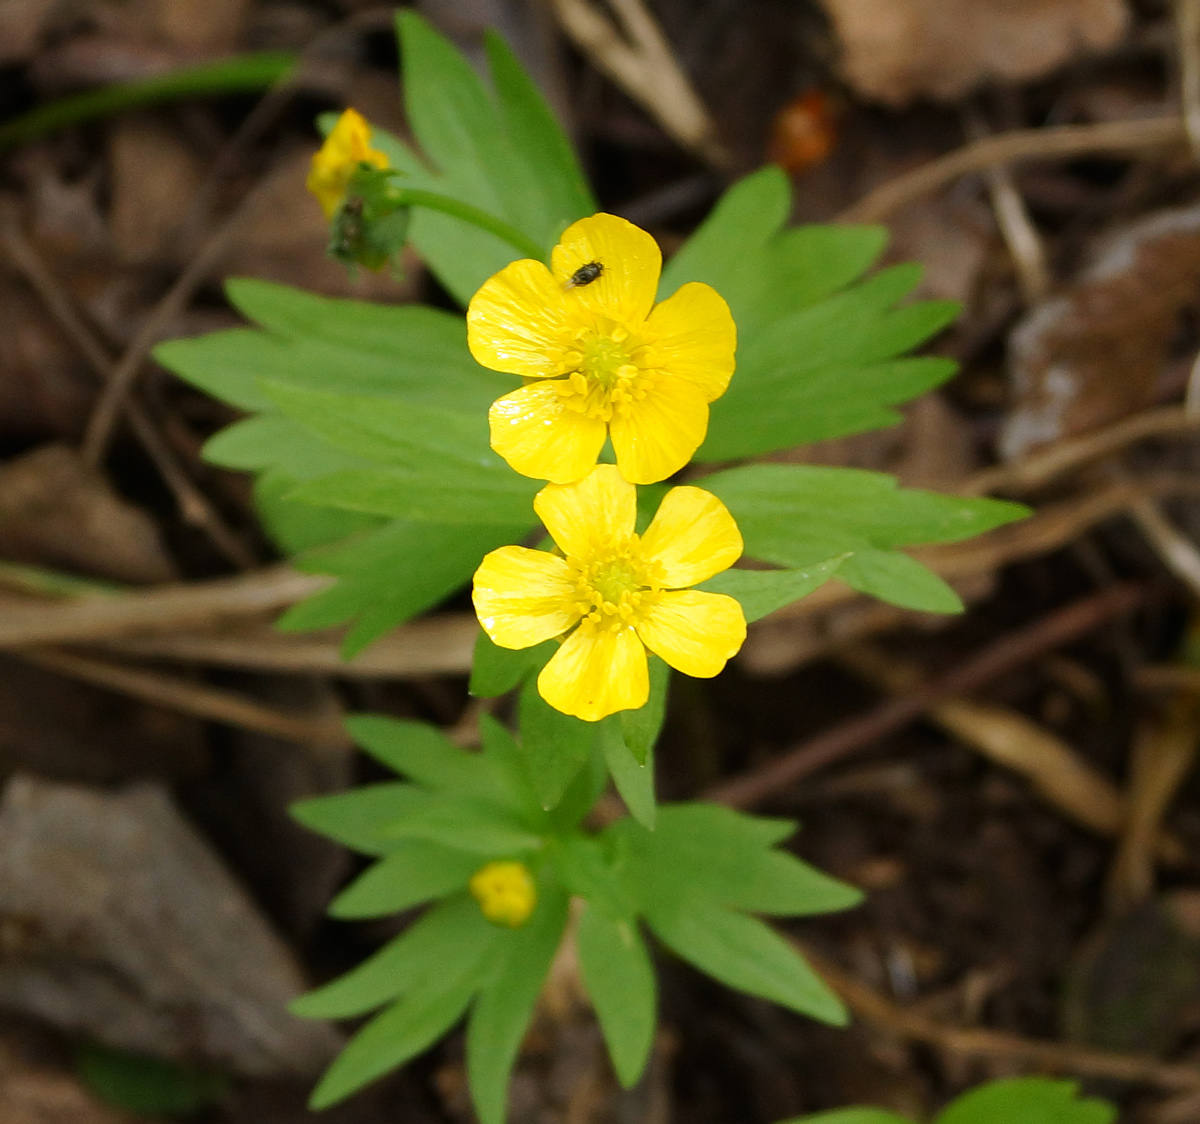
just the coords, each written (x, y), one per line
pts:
(437, 645)
(1187, 30)
(104, 417)
(642, 63)
(1120, 138)
(194, 507)
(1009, 652)
(1064, 1057)
(1040, 468)
(189, 698)
(162, 608)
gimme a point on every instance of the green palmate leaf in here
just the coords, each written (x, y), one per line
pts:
(422, 753)
(555, 745)
(729, 860)
(400, 1033)
(446, 942)
(502, 1012)
(1027, 1100)
(300, 527)
(761, 592)
(360, 818)
(584, 870)
(390, 575)
(619, 978)
(580, 797)
(479, 826)
(503, 154)
(416, 872)
(899, 580)
(744, 954)
(634, 779)
(496, 671)
(407, 352)
(640, 728)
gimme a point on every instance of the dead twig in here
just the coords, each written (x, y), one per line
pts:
(190, 698)
(1117, 137)
(1040, 468)
(1004, 655)
(194, 507)
(160, 609)
(1063, 778)
(108, 407)
(642, 63)
(1064, 1057)
(437, 645)
(1187, 31)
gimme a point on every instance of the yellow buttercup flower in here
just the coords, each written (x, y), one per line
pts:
(609, 362)
(506, 893)
(621, 593)
(335, 162)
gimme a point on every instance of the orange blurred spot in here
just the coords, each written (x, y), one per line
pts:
(804, 132)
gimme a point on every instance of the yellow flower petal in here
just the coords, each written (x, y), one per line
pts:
(517, 320)
(630, 262)
(523, 597)
(599, 510)
(693, 336)
(597, 672)
(662, 431)
(540, 437)
(692, 537)
(336, 161)
(694, 631)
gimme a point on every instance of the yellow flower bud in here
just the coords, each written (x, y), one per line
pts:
(506, 893)
(334, 164)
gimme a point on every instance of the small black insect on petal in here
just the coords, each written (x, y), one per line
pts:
(585, 275)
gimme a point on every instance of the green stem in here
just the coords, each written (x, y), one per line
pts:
(243, 74)
(476, 217)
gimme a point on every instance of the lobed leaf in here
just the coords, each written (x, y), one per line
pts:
(417, 871)
(619, 978)
(359, 818)
(555, 745)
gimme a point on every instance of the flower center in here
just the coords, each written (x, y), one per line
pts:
(604, 376)
(618, 587)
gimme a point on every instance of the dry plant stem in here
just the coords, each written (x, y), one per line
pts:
(193, 505)
(437, 645)
(1060, 775)
(1040, 468)
(104, 416)
(1163, 753)
(1187, 25)
(1063, 1057)
(1020, 235)
(1177, 552)
(189, 698)
(1117, 138)
(642, 63)
(162, 608)
(1004, 655)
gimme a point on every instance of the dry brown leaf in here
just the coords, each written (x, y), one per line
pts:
(895, 51)
(21, 22)
(57, 512)
(1095, 354)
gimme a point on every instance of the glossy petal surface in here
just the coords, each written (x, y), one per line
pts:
(540, 437)
(523, 597)
(695, 632)
(662, 430)
(692, 335)
(630, 262)
(692, 537)
(597, 672)
(517, 322)
(585, 517)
